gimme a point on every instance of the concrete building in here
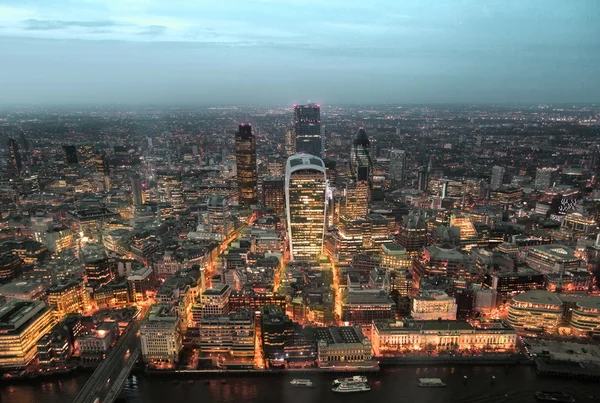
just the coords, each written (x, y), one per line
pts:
(398, 166)
(245, 159)
(160, 337)
(94, 346)
(497, 178)
(585, 317)
(68, 296)
(22, 325)
(23, 289)
(552, 258)
(140, 282)
(535, 310)
(361, 307)
(390, 337)
(342, 346)
(213, 301)
(232, 334)
(433, 305)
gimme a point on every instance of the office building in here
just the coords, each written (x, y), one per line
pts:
(95, 344)
(70, 154)
(412, 234)
(59, 239)
(170, 187)
(232, 334)
(342, 346)
(245, 159)
(398, 166)
(255, 300)
(98, 270)
(585, 317)
(160, 337)
(552, 258)
(213, 301)
(394, 257)
(67, 296)
(220, 221)
(545, 178)
(433, 305)
(535, 310)
(16, 160)
(361, 307)
(290, 141)
(23, 289)
(141, 281)
(361, 165)
(497, 178)
(136, 191)
(22, 325)
(307, 128)
(305, 186)
(273, 193)
(410, 335)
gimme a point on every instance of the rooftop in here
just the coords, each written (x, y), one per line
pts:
(21, 287)
(538, 297)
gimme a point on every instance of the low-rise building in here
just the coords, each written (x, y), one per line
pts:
(140, 282)
(94, 345)
(585, 317)
(432, 305)
(339, 345)
(363, 306)
(552, 258)
(29, 289)
(392, 337)
(160, 337)
(535, 310)
(514, 282)
(22, 325)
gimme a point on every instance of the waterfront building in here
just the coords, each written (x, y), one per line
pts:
(245, 158)
(391, 337)
(535, 310)
(159, 336)
(232, 334)
(307, 129)
(585, 317)
(432, 305)
(95, 345)
(54, 348)
(67, 296)
(342, 346)
(552, 258)
(22, 325)
(305, 186)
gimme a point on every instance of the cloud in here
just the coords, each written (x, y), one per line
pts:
(154, 30)
(48, 25)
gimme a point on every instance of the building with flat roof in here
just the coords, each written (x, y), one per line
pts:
(159, 336)
(391, 337)
(339, 345)
(514, 282)
(94, 345)
(67, 296)
(433, 305)
(552, 258)
(585, 317)
(22, 325)
(394, 257)
(536, 310)
(232, 334)
(23, 289)
(363, 306)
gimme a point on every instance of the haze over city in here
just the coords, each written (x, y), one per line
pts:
(281, 52)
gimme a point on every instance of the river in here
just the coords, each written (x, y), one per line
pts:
(392, 385)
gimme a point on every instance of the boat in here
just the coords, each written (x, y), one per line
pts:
(302, 383)
(431, 383)
(351, 387)
(560, 397)
(354, 379)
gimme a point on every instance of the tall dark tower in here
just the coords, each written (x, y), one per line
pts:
(136, 190)
(245, 159)
(70, 154)
(307, 125)
(360, 158)
(15, 155)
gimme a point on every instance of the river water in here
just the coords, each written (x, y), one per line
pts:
(392, 385)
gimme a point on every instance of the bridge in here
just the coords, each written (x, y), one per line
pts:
(108, 379)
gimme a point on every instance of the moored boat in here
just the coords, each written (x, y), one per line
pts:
(560, 397)
(345, 387)
(431, 383)
(354, 379)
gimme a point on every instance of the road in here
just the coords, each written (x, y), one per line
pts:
(101, 382)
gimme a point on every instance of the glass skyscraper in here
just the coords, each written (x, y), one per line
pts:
(307, 125)
(245, 159)
(305, 186)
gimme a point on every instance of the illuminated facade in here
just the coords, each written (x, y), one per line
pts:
(389, 337)
(433, 305)
(15, 156)
(159, 336)
(170, 189)
(397, 166)
(67, 296)
(305, 186)
(220, 222)
(514, 282)
(362, 307)
(307, 129)
(536, 310)
(339, 345)
(245, 159)
(552, 258)
(22, 325)
(232, 334)
(273, 193)
(394, 257)
(585, 317)
(412, 234)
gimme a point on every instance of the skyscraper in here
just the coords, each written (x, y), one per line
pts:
(305, 186)
(273, 194)
(136, 191)
(497, 177)
(398, 166)
(245, 159)
(290, 141)
(15, 155)
(70, 154)
(360, 158)
(307, 127)
(219, 216)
